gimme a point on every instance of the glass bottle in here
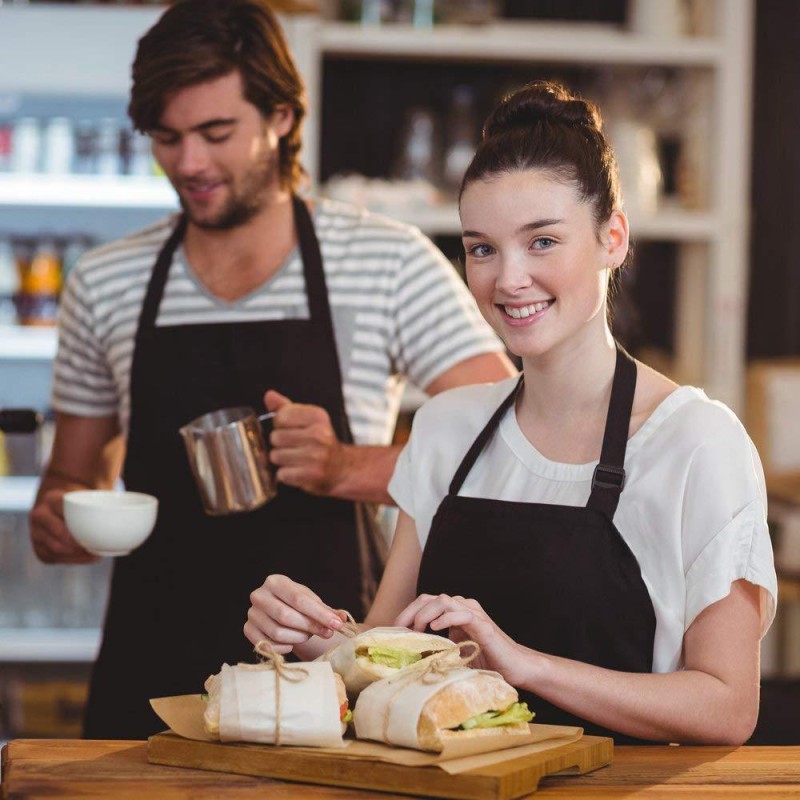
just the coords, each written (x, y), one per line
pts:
(9, 284)
(462, 130)
(41, 285)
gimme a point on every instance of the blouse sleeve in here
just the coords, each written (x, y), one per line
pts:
(724, 522)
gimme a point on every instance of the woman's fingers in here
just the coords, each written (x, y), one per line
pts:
(427, 611)
(288, 613)
(255, 635)
(406, 617)
(450, 619)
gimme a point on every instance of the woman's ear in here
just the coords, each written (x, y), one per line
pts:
(615, 238)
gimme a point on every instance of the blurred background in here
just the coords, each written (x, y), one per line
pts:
(698, 96)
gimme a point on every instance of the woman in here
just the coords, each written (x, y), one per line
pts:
(599, 530)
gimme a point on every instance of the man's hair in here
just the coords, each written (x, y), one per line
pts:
(196, 41)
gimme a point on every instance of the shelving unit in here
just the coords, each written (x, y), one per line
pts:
(526, 42)
(61, 645)
(712, 244)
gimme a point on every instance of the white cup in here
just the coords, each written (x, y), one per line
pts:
(110, 523)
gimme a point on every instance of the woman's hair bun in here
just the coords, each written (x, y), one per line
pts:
(538, 102)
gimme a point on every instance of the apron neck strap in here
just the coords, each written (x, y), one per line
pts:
(482, 439)
(609, 474)
(311, 257)
(319, 308)
(155, 288)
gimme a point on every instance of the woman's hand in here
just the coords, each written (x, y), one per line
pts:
(467, 620)
(289, 614)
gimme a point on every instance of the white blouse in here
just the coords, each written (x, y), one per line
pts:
(693, 510)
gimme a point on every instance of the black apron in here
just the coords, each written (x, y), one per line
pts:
(559, 579)
(178, 604)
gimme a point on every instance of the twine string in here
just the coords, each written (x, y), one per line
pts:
(434, 669)
(290, 672)
(349, 628)
(449, 660)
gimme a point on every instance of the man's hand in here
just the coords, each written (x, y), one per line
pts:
(304, 446)
(51, 540)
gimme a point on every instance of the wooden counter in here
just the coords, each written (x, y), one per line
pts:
(60, 768)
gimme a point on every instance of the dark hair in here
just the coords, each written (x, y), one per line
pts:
(543, 126)
(196, 41)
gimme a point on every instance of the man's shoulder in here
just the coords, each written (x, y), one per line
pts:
(136, 250)
(338, 222)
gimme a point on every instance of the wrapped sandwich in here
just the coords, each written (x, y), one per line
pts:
(277, 703)
(410, 710)
(381, 653)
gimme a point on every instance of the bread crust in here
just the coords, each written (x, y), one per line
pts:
(459, 702)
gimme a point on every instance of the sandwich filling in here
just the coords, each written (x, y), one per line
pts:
(516, 712)
(394, 657)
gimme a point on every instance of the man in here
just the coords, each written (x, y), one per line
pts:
(250, 294)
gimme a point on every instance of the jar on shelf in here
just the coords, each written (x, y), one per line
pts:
(109, 159)
(419, 155)
(6, 145)
(59, 146)
(27, 145)
(462, 138)
(10, 284)
(41, 286)
(85, 148)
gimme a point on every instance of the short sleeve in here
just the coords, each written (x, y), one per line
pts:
(436, 322)
(724, 522)
(83, 383)
(426, 464)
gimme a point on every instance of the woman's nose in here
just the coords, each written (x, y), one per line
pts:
(513, 275)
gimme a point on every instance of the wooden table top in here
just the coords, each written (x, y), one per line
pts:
(62, 768)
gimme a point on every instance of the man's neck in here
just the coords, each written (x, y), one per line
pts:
(231, 263)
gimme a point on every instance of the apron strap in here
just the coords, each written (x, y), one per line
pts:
(158, 280)
(609, 474)
(319, 307)
(483, 437)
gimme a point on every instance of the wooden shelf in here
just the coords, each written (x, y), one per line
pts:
(21, 343)
(671, 225)
(49, 644)
(87, 191)
(17, 493)
(575, 43)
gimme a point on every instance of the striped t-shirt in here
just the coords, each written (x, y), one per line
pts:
(399, 310)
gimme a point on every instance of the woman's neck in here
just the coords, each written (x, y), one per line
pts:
(563, 406)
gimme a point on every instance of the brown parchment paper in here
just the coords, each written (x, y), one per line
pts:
(184, 716)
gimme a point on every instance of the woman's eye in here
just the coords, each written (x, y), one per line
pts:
(479, 250)
(543, 243)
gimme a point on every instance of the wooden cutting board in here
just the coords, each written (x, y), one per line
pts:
(512, 778)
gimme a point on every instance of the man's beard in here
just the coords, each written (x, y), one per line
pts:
(247, 202)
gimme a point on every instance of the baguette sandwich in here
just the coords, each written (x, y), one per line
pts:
(312, 708)
(381, 653)
(467, 703)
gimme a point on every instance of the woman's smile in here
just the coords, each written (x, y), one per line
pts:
(521, 315)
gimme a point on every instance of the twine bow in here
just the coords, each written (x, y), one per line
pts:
(290, 672)
(449, 660)
(349, 628)
(432, 670)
